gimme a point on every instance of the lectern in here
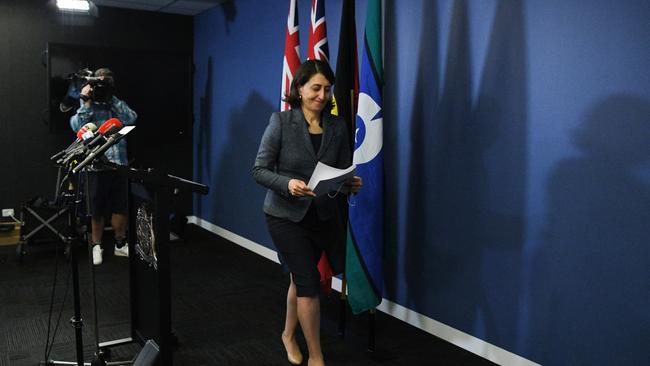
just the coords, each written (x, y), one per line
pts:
(151, 192)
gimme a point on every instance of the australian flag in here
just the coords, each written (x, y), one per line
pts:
(291, 60)
(317, 45)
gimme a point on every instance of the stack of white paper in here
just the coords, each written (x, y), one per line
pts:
(326, 179)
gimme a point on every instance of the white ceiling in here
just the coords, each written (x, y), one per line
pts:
(185, 7)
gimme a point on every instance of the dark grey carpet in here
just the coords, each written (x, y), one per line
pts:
(227, 304)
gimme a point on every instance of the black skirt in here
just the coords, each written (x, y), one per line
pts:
(300, 245)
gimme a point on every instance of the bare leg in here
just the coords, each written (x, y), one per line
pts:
(290, 323)
(118, 222)
(97, 224)
(291, 320)
(309, 316)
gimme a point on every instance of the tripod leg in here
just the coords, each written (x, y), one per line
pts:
(99, 357)
(70, 239)
(52, 363)
(20, 251)
(77, 321)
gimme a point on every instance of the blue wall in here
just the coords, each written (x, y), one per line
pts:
(517, 138)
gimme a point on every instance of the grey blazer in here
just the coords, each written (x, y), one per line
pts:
(286, 152)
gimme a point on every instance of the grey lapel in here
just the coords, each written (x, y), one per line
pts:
(300, 126)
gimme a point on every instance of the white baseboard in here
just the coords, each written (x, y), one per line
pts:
(454, 336)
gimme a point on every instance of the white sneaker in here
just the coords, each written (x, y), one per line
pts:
(97, 255)
(123, 251)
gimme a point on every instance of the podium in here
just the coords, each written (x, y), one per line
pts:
(150, 196)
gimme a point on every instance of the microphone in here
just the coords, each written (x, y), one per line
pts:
(108, 124)
(85, 128)
(85, 132)
(114, 138)
(108, 128)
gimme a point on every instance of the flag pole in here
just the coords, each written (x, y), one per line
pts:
(353, 114)
(343, 301)
(371, 330)
(344, 295)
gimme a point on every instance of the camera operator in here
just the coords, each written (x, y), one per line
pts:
(108, 190)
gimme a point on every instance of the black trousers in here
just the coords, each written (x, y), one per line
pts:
(301, 244)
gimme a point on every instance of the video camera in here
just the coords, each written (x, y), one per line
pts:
(101, 93)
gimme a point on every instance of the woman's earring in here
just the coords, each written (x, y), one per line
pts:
(299, 96)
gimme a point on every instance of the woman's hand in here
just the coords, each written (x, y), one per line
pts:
(298, 188)
(355, 183)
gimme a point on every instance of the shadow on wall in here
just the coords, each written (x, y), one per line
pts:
(467, 176)
(229, 11)
(204, 140)
(441, 238)
(500, 120)
(590, 289)
(423, 166)
(235, 188)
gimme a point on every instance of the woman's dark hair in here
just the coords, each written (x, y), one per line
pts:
(305, 71)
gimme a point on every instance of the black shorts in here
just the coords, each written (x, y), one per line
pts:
(108, 193)
(301, 244)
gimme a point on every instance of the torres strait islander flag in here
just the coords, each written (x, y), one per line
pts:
(291, 59)
(364, 272)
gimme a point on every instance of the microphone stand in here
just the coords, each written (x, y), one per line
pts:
(71, 240)
(99, 356)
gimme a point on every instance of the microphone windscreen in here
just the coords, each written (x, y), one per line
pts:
(85, 128)
(108, 124)
(82, 131)
(87, 135)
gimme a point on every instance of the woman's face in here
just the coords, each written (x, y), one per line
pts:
(316, 93)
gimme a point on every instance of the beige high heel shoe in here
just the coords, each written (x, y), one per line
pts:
(294, 358)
